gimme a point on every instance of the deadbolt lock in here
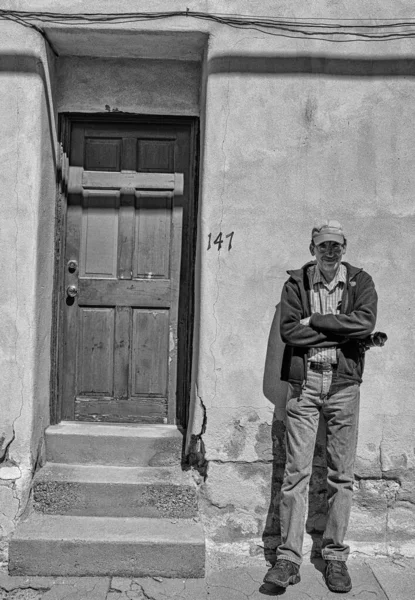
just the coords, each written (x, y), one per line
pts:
(72, 266)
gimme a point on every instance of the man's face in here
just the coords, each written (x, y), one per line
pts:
(328, 255)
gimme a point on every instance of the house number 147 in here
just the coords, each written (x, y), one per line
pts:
(219, 241)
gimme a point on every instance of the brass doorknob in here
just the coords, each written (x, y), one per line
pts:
(72, 291)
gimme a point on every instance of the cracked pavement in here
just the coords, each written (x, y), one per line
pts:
(373, 579)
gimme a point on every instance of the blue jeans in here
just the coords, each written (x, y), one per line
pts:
(341, 413)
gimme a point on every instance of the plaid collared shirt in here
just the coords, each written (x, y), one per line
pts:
(325, 298)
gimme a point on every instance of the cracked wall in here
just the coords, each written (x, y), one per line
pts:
(282, 148)
(26, 246)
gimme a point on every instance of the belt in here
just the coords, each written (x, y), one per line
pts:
(322, 367)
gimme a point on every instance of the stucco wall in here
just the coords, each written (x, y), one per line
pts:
(293, 130)
(27, 183)
(131, 85)
(285, 147)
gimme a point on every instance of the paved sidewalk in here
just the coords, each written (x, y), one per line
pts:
(373, 579)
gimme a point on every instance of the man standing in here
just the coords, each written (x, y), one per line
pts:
(327, 309)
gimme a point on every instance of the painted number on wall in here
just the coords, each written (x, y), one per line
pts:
(220, 240)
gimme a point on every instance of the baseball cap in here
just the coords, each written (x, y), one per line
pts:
(327, 231)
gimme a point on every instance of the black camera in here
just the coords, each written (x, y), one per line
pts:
(376, 339)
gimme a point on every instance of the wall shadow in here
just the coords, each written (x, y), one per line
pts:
(309, 64)
(276, 391)
(30, 64)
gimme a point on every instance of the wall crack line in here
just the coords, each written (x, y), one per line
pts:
(196, 451)
(18, 370)
(202, 404)
(227, 108)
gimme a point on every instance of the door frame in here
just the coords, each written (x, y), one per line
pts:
(187, 269)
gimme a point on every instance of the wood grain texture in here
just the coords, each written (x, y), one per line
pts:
(176, 247)
(70, 316)
(96, 351)
(146, 181)
(99, 242)
(125, 241)
(122, 351)
(137, 292)
(152, 238)
(150, 339)
(135, 410)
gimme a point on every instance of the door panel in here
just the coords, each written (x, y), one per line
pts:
(95, 351)
(155, 156)
(152, 237)
(126, 223)
(150, 352)
(120, 332)
(102, 154)
(124, 293)
(99, 238)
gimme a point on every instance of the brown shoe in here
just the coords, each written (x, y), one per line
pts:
(283, 573)
(337, 576)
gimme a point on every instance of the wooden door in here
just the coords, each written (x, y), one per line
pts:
(122, 271)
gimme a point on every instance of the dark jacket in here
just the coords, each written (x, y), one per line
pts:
(354, 323)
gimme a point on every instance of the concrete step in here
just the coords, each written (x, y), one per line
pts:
(126, 444)
(102, 490)
(49, 545)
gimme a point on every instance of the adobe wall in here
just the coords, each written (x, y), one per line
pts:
(290, 139)
(28, 194)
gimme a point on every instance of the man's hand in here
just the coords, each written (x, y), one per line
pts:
(305, 321)
(377, 339)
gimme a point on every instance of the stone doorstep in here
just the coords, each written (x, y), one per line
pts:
(97, 490)
(50, 545)
(113, 444)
